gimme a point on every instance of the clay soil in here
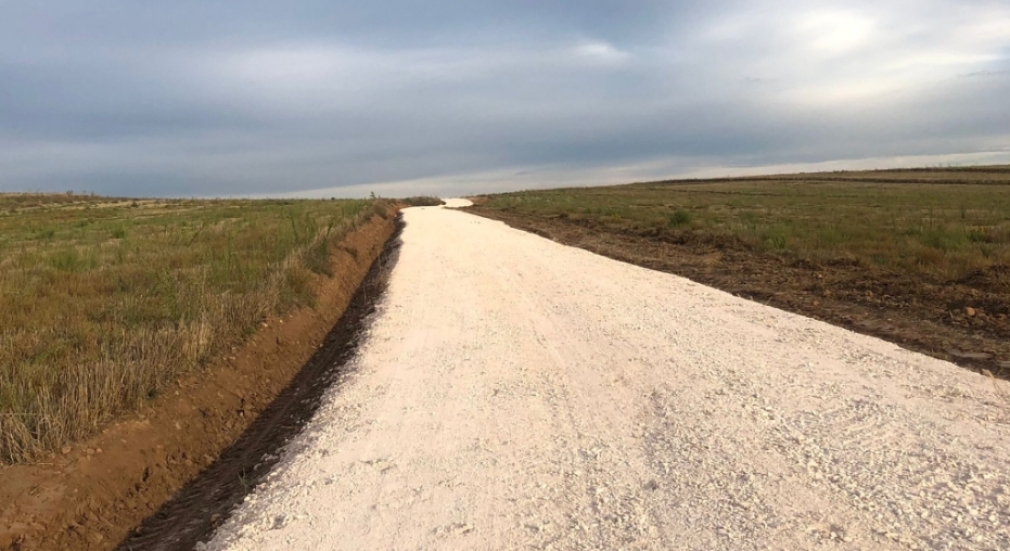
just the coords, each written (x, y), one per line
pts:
(91, 496)
(966, 322)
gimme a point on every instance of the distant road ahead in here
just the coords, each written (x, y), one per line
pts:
(514, 393)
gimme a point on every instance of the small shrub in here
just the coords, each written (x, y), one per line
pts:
(296, 289)
(317, 258)
(988, 235)
(679, 217)
(380, 209)
(774, 240)
(940, 238)
(423, 201)
(67, 260)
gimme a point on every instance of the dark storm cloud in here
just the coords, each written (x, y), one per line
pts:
(217, 98)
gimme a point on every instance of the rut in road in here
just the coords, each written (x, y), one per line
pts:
(515, 393)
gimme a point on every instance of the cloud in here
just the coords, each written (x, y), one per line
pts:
(222, 98)
(600, 52)
(835, 32)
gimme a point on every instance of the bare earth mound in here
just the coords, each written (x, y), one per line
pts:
(516, 393)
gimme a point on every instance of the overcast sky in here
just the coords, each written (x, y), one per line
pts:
(216, 97)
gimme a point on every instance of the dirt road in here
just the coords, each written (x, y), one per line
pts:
(518, 394)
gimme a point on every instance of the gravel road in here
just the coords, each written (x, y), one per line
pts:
(513, 393)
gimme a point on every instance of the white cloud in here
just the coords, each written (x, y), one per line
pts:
(600, 52)
(835, 32)
(818, 55)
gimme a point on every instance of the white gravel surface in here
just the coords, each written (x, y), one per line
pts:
(514, 393)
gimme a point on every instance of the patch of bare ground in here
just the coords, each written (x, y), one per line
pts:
(965, 321)
(92, 494)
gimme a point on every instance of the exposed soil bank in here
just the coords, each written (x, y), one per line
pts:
(199, 507)
(92, 496)
(967, 323)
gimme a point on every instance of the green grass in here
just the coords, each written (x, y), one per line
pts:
(105, 301)
(422, 201)
(938, 225)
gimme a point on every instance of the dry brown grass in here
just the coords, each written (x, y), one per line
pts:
(103, 302)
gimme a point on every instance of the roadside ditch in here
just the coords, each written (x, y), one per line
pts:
(164, 477)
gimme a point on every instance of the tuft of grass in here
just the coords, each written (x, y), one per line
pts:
(679, 217)
(317, 258)
(422, 201)
(92, 324)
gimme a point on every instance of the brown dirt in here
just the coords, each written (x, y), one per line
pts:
(197, 509)
(966, 321)
(94, 494)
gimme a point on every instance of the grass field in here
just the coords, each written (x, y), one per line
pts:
(104, 301)
(934, 224)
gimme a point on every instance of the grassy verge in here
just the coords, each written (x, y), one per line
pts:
(938, 231)
(105, 301)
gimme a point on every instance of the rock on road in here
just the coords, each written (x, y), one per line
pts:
(514, 393)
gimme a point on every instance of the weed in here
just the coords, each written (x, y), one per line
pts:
(678, 217)
(66, 260)
(317, 258)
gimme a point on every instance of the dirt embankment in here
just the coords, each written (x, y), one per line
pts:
(965, 322)
(94, 493)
